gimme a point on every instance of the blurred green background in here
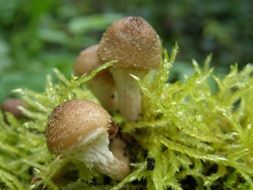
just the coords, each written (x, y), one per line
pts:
(36, 35)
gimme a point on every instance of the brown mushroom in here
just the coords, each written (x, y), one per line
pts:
(137, 48)
(77, 129)
(12, 105)
(102, 85)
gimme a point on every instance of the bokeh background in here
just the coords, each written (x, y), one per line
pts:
(38, 35)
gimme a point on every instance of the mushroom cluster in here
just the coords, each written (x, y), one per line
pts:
(137, 48)
(82, 130)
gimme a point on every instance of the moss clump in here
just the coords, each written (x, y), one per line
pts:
(189, 136)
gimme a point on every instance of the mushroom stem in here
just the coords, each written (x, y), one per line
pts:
(128, 91)
(97, 155)
(120, 151)
(103, 87)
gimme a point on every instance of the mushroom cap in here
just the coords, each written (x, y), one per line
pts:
(133, 42)
(73, 121)
(86, 61)
(11, 105)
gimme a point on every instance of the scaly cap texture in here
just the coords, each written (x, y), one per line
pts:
(86, 61)
(72, 121)
(133, 42)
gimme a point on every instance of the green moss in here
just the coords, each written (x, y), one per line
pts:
(190, 135)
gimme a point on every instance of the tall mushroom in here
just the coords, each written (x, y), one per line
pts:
(78, 130)
(137, 47)
(102, 85)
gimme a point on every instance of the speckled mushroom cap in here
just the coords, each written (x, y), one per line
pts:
(133, 42)
(86, 61)
(72, 121)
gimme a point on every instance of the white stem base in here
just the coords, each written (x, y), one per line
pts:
(97, 155)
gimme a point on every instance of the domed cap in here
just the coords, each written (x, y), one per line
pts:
(12, 105)
(133, 42)
(72, 121)
(86, 61)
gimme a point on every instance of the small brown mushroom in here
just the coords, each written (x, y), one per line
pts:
(12, 105)
(137, 48)
(102, 85)
(78, 129)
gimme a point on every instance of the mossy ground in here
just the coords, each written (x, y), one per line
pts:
(193, 134)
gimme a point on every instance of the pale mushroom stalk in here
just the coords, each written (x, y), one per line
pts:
(79, 130)
(120, 151)
(100, 157)
(128, 91)
(102, 85)
(137, 48)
